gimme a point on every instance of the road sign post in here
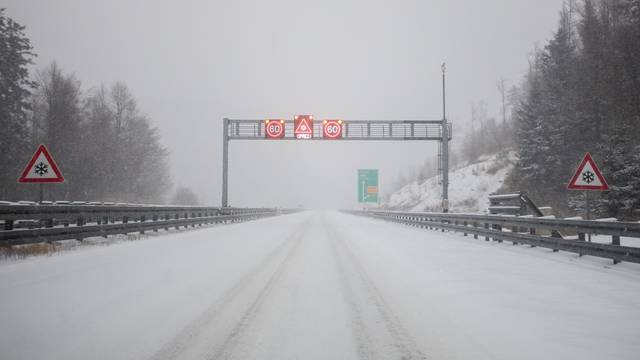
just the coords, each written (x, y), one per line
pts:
(588, 178)
(445, 147)
(225, 162)
(351, 130)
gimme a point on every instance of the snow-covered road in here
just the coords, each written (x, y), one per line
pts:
(317, 285)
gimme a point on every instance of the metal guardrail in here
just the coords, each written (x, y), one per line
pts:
(29, 223)
(527, 230)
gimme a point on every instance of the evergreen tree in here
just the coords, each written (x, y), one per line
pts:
(184, 196)
(15, 56)
(585, 97)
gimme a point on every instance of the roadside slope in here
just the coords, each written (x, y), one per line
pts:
(469, 187)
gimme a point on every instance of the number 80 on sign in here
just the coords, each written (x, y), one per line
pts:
(332, 129)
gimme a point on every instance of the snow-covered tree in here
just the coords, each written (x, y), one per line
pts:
(15, 87)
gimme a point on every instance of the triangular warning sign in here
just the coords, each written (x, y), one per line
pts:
(588, 176)
(41, 169)
(303, 127)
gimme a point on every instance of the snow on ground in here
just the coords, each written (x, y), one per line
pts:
(469, 187)
(317, 285)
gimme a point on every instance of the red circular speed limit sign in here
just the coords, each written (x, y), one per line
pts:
(274, 129)
(332, 129)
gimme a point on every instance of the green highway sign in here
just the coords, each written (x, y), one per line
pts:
(368, 186)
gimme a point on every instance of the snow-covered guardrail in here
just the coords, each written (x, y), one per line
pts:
(534, 231)
(25, 223)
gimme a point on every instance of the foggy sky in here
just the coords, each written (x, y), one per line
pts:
(191, 63)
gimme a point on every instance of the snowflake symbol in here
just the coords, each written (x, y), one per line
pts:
(588, 177)
(41, 168)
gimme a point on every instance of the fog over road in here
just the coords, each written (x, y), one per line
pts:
(317, 285)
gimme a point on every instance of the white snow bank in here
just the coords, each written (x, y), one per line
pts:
(469, 187)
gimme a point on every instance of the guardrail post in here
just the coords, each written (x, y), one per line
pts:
(465, 231)
(475, 225)
(142, 220)
(486, 226)
(615, 240)
(532, 231)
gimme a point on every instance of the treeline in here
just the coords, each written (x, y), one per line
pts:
(582, 94)
(106, 148)
(484, 135)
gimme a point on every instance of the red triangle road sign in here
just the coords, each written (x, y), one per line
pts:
(303, 127)
(41, 169)
(588, 176)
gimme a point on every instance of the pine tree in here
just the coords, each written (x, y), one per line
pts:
(15, 57)
(532, 142)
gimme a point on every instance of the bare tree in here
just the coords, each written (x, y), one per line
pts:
(502, 88)
(124, 105)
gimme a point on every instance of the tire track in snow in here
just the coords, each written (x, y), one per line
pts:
(190, 333)
(225, 351)
(369, 309)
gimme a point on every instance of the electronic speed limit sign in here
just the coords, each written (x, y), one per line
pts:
(332, 129)
(274, 129)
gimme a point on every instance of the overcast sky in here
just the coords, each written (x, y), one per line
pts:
(190, 63)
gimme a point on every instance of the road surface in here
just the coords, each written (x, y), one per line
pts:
(317, 285)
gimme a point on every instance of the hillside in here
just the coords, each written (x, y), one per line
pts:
(469, 186)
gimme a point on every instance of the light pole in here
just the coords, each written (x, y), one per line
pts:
(445, 146)
(225, 162)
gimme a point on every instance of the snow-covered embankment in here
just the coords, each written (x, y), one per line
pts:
(469, 187)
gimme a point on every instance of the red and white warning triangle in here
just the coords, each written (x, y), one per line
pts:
(303, 127)
(588, 176)
(41, 168)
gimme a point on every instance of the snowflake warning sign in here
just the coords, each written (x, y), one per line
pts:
(41, 169)
(303, 126)
(588, 176)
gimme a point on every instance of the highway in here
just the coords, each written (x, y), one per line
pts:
(317, 285)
